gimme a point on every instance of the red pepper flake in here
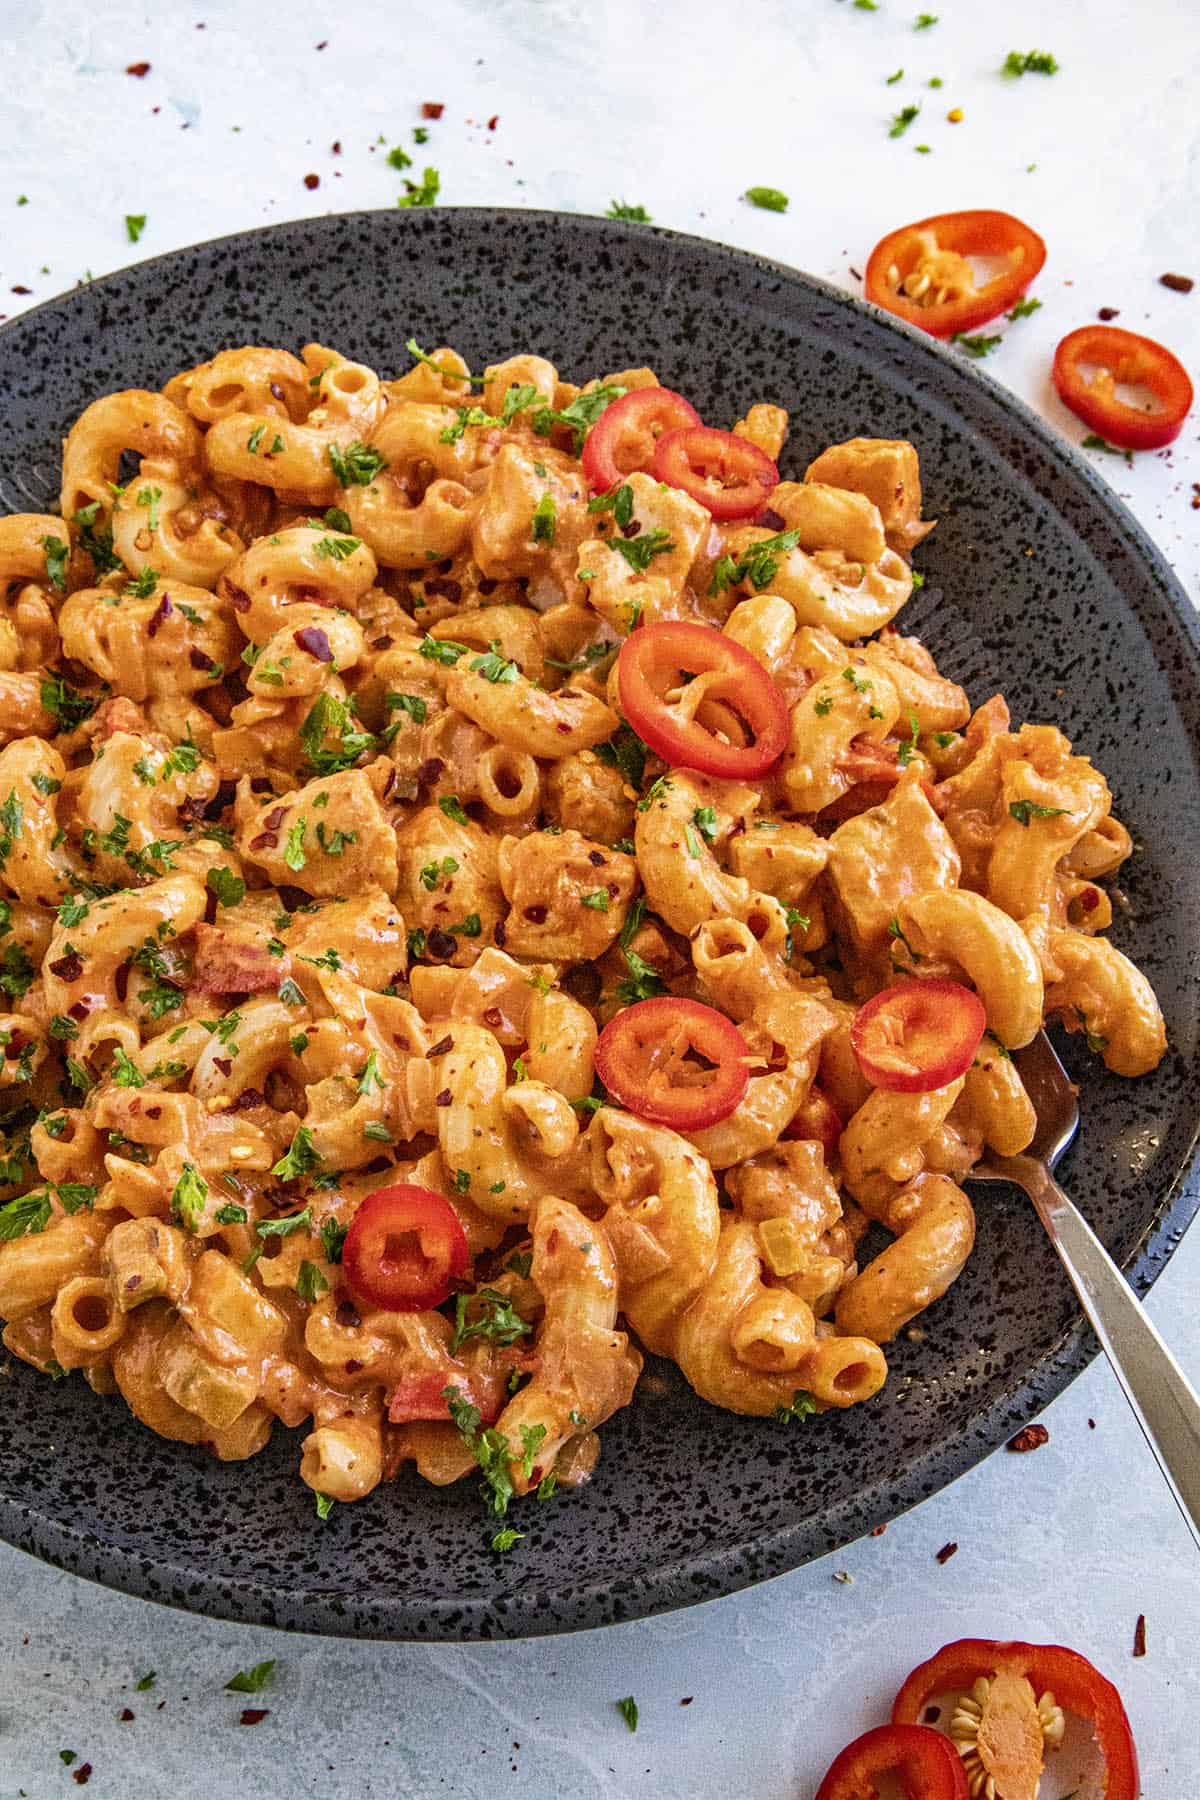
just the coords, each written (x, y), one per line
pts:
(687, 1700)
(444, 1098)
(857, 274)
(442, 1047)
(1109, 312)
(1032, 1438)
(879, 1531)
(312, 181)
(314, 640)
(492, 124)
(82, 1775)
(18, 289)
(324, 44)
(1091, 1424)
(1178, 284)
(141, 69)
(1139, 1636)
(254, 1715)
(336, 146)
(127, 1712)
(432, 109)
(68, 968)
(946, 1552)
(159, 617)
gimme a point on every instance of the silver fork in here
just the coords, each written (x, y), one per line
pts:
(1164, 1401)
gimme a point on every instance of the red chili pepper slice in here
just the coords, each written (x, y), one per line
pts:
(404, 1249)
(1122, 357)
(729, 475)
(924, 1762)
(918, 1035)
(648, 1056)
(625, 436)
(920, 272)
(1078, 1687)
(730, 720)
(818, 1119)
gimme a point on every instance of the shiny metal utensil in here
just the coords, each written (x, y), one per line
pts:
(1165, 1404)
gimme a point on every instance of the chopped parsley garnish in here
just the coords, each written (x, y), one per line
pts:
(65, 703)
(293, 1222)
(453, 808)
(579, 415)
(300, 1158)
(597, 900)
(398, 158)
(1024, 307)
(371, 1078)
(496, 1319)
(621, 209)
(327, 717)
(625, 751)
(355, 466)
(58, 555)
(332, 1236)
(643, 981)
(252, 1681)
(230, 889)
(1032, 62)
(149, 497)
(903, 119)
(494, 667)
(135, 224)
(908, 749)
(189, 1197)
(422, 356)
(759, 564)
(325, 1505)
(628, 1709)
(1024, 810)
(433, 872)
(705, 820)
(489, 1448)
(1093, 442)
(545, 517)
(802, 1406)
(977, 345)
(255, 439)
(231, 1214)
(412, 704)
(310, 1283)
(768, 198)
(639, 552)
(505, 1539)
(22, 1217)
(442, 650)
(924, 21)
(424, 193)
(893, 79)
(335, 549)
(293, 853)
(618, 501)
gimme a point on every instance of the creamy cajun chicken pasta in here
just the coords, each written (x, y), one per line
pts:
(490, 893)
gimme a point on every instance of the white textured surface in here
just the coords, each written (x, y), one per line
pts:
(672, 107)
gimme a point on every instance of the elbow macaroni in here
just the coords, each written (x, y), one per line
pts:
(324, 858)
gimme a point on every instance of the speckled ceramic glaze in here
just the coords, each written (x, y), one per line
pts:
(1038, 581)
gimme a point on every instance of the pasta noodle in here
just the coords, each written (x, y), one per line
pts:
(327, 850)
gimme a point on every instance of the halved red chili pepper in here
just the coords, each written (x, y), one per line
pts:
(625, 436)
(649, 1057)
(729, 475)
(1076, 1685)
(923, 1761)
(818, 1120)
(921, 273)
(1123, 357)
(918, 1035)
(730, 720)
(404, 1249)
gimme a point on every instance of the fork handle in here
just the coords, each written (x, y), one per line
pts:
(1165, 1404)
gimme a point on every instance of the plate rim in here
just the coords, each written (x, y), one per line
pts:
(664, 1588)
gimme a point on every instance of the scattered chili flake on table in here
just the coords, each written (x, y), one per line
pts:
(254, 1715)
(1139, 1636)
(126, 1714)
(946, 1552)
(1109, 312)
(312, 181)
(1031, 1438)
(138, 69)
(336, 146)
(82, 1775)
(1178, 284)
(493, 121)
(879, 1531)
(687, 1700)
(432, 109)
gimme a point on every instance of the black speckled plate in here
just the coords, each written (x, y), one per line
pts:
(1038, 580)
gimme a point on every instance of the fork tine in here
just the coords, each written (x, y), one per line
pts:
(1053, 1094)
